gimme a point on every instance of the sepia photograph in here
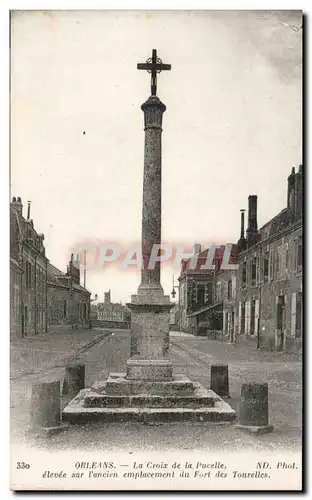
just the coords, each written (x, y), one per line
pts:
(156, 250)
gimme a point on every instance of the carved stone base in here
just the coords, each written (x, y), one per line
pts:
(122, 399)
(149, 327)
(153, 370)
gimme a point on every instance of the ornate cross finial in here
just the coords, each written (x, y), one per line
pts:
(154, 65)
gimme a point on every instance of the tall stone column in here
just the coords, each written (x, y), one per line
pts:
(153, 110)
(150, 307)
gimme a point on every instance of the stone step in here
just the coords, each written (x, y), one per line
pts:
(118, 384)
(94, 400)
(76, 413)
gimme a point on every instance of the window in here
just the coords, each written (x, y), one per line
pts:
(65, 309)
(225, 326)
(218, 292)
(244, 273)
(299, 315)
(254, 271)
(181, 294)
(266, 266)
(258, 261)
(278, 263)
(28, 274)
(230, 291)
(84, 310)
(25, 316)
(280, 312)
(208, 292)
(299, 254)
(252, 317)
(271, 264)
(200, 295)
(243, 312)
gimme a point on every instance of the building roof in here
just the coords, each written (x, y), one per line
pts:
(281, 221)
(56, 276)
(59, 278)
(22, 231)
(201, 260)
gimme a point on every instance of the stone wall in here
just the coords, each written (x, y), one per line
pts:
(67, 309)
(123, 325)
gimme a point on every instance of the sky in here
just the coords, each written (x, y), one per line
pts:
(233, 125)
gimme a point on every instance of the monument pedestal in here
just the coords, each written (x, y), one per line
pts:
(119, 399)
(149, 391)
(149, 335)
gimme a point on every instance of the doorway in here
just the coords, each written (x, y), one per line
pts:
(252, 317)
(280, 322)
(232, 318)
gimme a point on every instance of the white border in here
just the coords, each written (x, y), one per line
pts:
(4, 196)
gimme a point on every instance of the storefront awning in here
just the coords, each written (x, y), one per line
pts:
(204, 309)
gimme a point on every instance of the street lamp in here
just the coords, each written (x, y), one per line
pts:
(173, 293)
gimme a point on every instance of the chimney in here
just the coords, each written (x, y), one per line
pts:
(17, 204)
(28, 210)
(242, 243)
(298, 193)
(242, 211)
(196, 248)
(291, 188)
(73, 268)
(252, 230)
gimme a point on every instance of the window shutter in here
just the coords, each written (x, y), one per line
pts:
(256, 316)
(283, 260)
(247, 317)
(258, 270)
(261, 277)
(239, 316)
(270, 277)
(293, 314)
(234, 287)
(296, 255)
(224, 319)
(286, 258)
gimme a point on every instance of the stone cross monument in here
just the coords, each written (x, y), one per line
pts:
(150, 307)
(149, 390)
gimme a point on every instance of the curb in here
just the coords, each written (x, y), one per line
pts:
(66, 359)
(91, 343)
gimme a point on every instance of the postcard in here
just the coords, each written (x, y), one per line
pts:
(156, 250)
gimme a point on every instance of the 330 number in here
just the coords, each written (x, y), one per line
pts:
(22, 465)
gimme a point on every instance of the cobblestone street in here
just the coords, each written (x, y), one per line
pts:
(192, 356)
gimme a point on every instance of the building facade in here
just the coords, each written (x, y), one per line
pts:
(68, 301)
(28, 270)
(260, 302)
(207, 296)
(269, 291)
(110, 313)
(42, 298)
